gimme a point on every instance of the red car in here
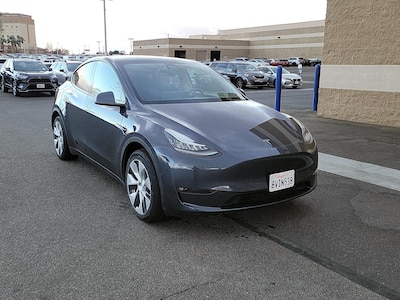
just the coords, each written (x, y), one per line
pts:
(280, 62)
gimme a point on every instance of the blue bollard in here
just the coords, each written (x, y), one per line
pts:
(316, 86)
(278, 88)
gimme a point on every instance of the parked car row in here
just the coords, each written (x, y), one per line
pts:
(244, 74)
(284, 62)
(26, 75)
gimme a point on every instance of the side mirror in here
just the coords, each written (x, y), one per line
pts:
(107, 98)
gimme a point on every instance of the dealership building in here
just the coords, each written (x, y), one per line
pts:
(276, 41)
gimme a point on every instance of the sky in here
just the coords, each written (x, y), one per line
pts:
(76, 25)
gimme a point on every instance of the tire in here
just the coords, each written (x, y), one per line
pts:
(4, 89)
(60, 140)
(15, 90)
(239, 83)
(143, 188)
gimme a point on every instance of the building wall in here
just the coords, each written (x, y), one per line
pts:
(361, 63)
(196, 49)
(22, 25)
(303, 39)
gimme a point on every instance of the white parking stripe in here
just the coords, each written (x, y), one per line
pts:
(381, 176)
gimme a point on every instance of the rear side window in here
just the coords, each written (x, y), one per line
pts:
(83, 77)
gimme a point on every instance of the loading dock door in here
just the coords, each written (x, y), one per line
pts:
(215, 55)
(180, 53)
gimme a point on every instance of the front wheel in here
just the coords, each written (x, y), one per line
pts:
(143, 187)
(15, 90)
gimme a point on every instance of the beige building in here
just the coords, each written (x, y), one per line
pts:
(19, 25)
(277, 41)
(360, 73)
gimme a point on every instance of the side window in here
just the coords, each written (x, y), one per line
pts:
(231, 68)
(105, 80)
(222, 67)
(83, 77)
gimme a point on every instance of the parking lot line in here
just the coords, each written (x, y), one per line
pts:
(370, 173)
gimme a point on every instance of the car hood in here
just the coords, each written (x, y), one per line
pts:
(236, 126)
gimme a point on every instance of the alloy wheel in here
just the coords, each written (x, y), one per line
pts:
(139, 187)
(58, 138)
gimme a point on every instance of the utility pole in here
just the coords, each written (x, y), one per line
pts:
(105, 27)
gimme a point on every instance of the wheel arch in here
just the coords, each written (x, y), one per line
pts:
(139, 142)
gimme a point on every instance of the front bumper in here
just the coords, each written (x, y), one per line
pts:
(36, 86)
(241, 186)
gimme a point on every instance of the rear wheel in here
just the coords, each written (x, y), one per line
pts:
(60, 141)
(143, 187)
(239, 83)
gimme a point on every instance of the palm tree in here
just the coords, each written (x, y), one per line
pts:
(20, 41)
(2, 42)
(13, 41)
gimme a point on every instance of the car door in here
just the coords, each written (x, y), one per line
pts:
(103, 129)
(76, 95)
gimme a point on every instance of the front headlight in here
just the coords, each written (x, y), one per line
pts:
(22, 77)
(186, 145)
(307, 136)
(305, 133)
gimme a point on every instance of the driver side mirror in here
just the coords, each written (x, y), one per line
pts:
(107, 98)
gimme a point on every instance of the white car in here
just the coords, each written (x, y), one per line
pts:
(289, 80)
(257, 62)
(294, 61)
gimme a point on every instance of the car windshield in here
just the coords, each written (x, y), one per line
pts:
(247, 67)
(72, 66)
(29, 66)
(168, 82)
(274, 70)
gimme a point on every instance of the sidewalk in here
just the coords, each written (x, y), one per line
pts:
(378, 145)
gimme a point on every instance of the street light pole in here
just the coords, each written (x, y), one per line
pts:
(105, 27)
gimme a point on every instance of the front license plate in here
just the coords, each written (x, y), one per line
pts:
(40, 86)
(281, 181)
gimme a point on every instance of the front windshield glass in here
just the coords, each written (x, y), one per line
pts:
(29, 66)
(169, 81)
(72, 66)
(247, 67)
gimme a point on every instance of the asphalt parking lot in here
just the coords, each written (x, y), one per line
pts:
(67, 231)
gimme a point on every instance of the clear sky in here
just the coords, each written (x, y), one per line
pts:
(79, 24)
